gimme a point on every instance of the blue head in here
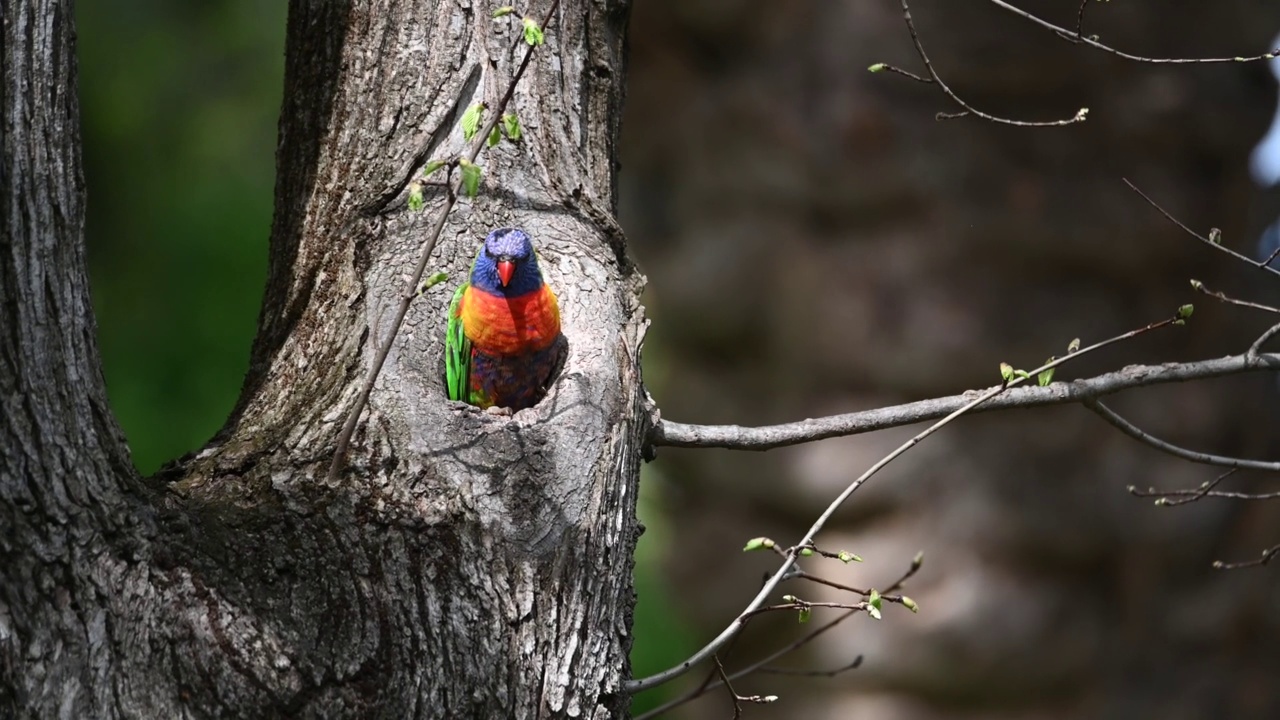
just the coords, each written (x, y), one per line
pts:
(507, 264)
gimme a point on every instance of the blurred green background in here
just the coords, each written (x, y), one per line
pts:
(179, 104)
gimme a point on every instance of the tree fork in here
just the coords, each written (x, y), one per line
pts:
(460, 564)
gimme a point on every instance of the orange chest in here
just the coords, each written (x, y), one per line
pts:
(510, 326)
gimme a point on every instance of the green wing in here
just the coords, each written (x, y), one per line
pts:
(457, 352)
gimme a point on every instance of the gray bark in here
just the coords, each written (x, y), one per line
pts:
(462, 565)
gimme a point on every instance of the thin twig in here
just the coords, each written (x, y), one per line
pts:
(725, 680)
(1080, 115)
(804, 605)
(1266, 558)
(1078, 37)
(1191, 495)
(1193, 233)
(1270, 257)
(758, 666)
(762, 665)
(852, 665)
(916, 563)
(1256, 347)
(1163, 446)
(733, 694)
(1080, 19)
(886, 67)
(428, 245)
(1223, 297)
(767, 437)
(803, 575)
(706, 652)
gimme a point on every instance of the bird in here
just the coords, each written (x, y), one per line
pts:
(503, 344)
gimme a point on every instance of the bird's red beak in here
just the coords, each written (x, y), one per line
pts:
(505, 268)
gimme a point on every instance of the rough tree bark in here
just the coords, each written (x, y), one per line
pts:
(462, 565)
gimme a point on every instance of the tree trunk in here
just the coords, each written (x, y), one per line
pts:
(462, 564)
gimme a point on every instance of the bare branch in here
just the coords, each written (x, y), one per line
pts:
(1080, 115)
(803, 575)
(1078, 37)
(886, 67)
(1214, 242)
(1194, 456)
(1269, 258)
(798, 604)
(916, 563)
(1223, 297)
(739, 699)
(758, 666)
(1266, 558)
(428, 245)
(1190, 495)
(736, 625)
(1080, 18)
(767, 437)
(852, 665)
(1182, 497)
(724, 680)
(1256, 347)
(762, 665)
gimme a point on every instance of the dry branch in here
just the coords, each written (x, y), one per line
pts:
(767, 437)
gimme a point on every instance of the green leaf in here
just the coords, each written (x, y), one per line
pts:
(1046, 376)
(878, 67)
(1196, 284)
(470, 177)
(806, 552)
(1006, 371)
(873, 604)
(1215, 236)
(533, 33)
(511, 125)
(433, 166)
(910, 604)
(415, 196)
(1073, 346)
(847, 557)
(1185, 311)
(760, 543)
(495, 136)
(1022, 374)
(433, 280)
(503, 11)
(804, 614)
(471, 121)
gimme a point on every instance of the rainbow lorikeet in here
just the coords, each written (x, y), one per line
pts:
(503, 344)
